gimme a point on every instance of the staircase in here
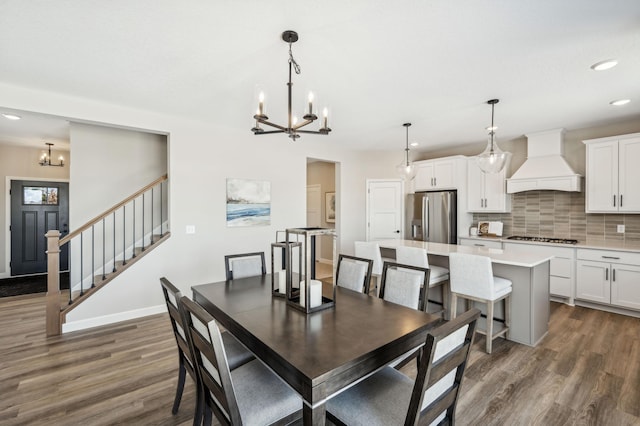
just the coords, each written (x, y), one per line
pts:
(103, 248)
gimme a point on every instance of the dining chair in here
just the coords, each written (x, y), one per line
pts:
(388, 397)
(370, 250)
(354, 273)
(439, 276)
(250, 395)
(237, 353)
(404, 285)
(471, 278)
(244, 265)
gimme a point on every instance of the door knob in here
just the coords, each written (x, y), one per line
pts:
(65, 228)
(397, 231)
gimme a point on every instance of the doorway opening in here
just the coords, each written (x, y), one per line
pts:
(322, 196)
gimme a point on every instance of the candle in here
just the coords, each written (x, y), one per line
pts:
(325, 113)
(310, 102)
(261, 103)
(282, 281)
(315, 293)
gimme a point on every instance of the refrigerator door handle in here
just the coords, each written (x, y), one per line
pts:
(425, 218)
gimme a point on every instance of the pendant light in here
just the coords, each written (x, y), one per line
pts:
(492, 159)
(406, 169)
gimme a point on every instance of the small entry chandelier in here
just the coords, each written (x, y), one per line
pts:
(406, 169)
(492, 159)
(292, 128)
(45, 158)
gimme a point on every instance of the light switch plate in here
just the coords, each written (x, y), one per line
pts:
(621, 229)
(191, 229)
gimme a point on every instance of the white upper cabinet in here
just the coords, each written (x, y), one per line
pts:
(612, 171)
(486, 192)
(436, 174)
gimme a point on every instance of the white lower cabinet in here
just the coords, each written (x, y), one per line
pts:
(561, 266)
(609, 277)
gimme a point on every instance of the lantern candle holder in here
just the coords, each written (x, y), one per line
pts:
(304, 292)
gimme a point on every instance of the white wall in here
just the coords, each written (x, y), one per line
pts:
(201, 157)
(110, 165)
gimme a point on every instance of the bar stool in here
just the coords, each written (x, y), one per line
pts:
(471, 278)
(371, 250)
(438, 276)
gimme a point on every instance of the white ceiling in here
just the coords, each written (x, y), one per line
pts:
(375, 64)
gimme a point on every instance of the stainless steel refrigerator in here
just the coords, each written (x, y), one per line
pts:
(431, 216)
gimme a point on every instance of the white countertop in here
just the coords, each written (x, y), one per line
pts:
(499, 256)
(631, 246)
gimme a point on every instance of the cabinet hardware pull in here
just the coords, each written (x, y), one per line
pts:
(485, 202)
(611, 257)
(479, 245)
(620, 200)
(435, 181)
(613, 271)
(606, 274)
(614, 201)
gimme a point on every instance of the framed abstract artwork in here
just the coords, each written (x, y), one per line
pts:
(330, 207)
(248, 202)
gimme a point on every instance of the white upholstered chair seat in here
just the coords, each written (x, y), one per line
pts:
(438, 275)
(501, 287)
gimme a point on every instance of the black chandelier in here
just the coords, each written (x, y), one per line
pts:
(292, 128)
(45, 159)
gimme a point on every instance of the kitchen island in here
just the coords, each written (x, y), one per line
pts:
(529, 273)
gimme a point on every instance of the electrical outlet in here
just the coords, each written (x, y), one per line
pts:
(621, 229)
(191, 229)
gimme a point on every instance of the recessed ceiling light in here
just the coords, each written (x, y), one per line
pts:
(604, 65)
(414, 144)
(11, 116)
(620, 102)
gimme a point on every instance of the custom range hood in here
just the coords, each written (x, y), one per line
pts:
(545, 167)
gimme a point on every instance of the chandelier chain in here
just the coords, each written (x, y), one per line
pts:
(293, 62)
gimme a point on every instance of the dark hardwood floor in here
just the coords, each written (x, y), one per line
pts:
(586, 371)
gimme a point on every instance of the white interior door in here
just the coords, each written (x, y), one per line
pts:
(385, 206)
(314, 206)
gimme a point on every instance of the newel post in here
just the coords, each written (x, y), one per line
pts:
(54, 324)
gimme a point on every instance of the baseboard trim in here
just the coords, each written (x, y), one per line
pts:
(112, 318)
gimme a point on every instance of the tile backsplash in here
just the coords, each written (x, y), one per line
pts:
(561, 214)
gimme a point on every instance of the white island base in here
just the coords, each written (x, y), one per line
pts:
(529, 273)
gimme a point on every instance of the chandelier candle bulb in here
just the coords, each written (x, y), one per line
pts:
(310, 103)
(261, 103)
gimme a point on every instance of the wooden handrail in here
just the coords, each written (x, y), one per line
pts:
(98, 218)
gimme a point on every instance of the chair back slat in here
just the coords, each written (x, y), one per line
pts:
(172, 296)
(354, 273)
(211, 361)
(441, 371)
(244, 265)
(405, 285)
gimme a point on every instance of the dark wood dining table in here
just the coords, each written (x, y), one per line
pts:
(317, 354)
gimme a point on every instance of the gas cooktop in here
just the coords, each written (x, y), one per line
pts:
(544, 239)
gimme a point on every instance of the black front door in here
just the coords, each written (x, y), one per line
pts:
(37, 207)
